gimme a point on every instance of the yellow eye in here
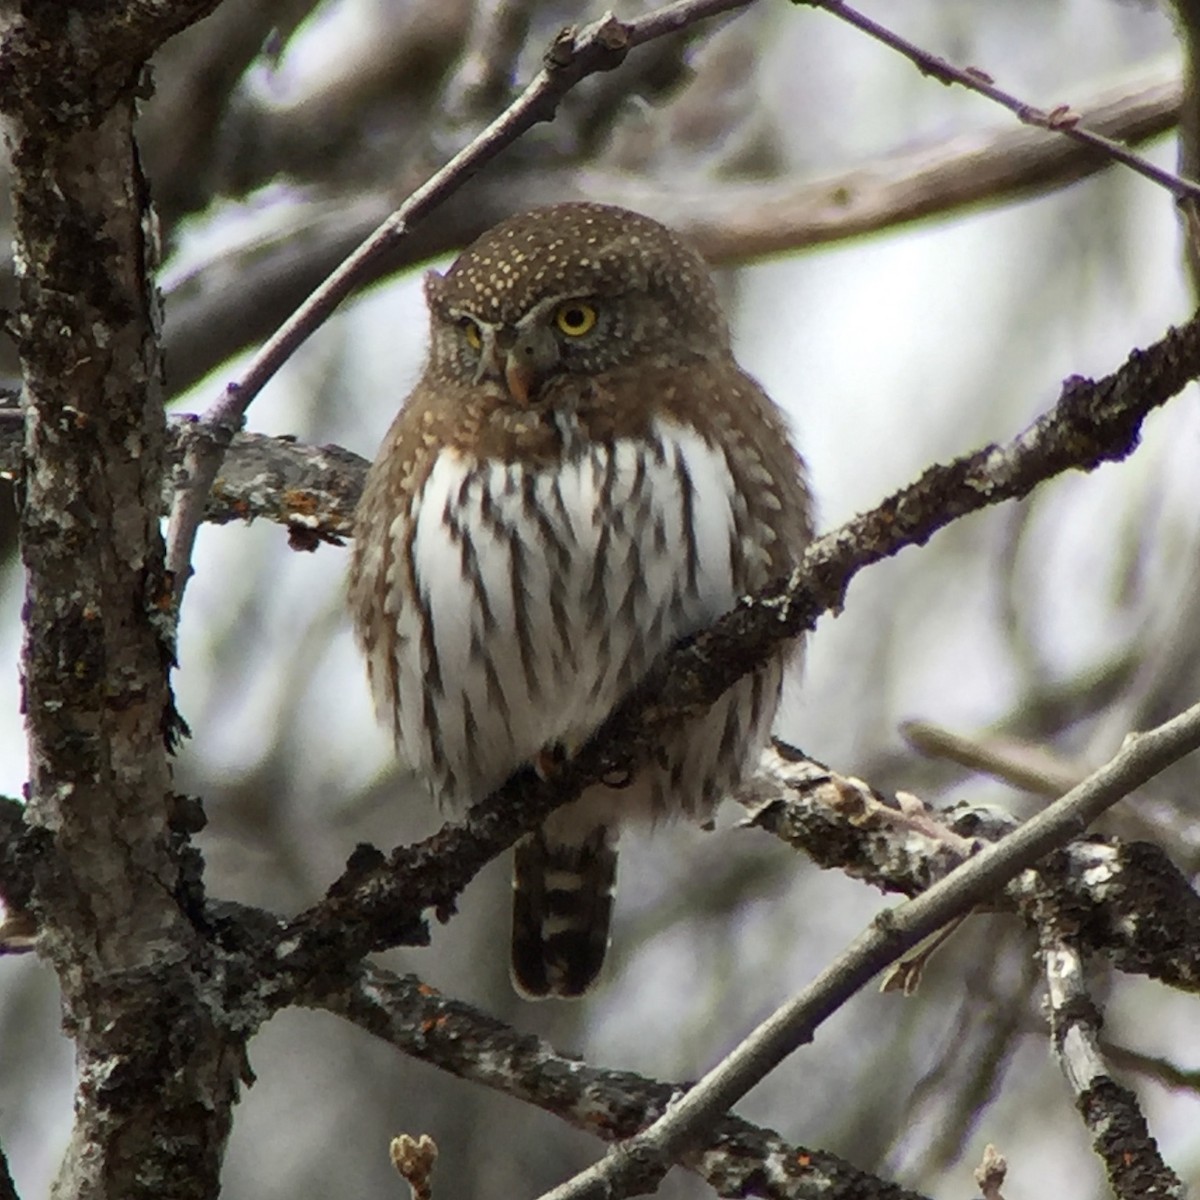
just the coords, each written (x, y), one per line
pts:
(575, 318)
(471, 332)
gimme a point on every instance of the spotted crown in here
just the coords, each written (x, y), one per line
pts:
(576, 250)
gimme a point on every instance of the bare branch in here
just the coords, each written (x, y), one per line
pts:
(1061, 120)
(312, 490)
(1023, 765)
(1110, 1111)
(734, 1157)
(732, 223)
(650, 1153)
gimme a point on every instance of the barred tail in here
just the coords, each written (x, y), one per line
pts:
(562, 905)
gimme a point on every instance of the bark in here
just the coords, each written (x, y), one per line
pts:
(157, 1073)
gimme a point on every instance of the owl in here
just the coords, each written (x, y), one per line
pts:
(582, 476)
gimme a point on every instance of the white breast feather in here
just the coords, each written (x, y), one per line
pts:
(505, 694)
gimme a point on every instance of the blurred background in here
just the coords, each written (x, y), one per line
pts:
(279, 134)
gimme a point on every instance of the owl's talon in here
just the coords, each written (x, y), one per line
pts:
(618, 779)
(548, 760)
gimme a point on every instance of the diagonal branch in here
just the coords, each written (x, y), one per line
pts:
(647, 1156)
(736, 1158)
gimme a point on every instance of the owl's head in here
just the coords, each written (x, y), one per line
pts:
(575, 289)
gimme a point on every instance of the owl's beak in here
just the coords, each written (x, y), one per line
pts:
(521, 378)
(524, 357)
(511, 364)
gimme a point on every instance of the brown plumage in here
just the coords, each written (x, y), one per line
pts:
(582, 476)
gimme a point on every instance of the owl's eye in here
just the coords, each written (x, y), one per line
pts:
(575, 318)
(470, 331)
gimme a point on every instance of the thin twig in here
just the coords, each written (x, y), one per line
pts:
(571, 57)
(1031, 767)
(1058, 120)
(650, 1154)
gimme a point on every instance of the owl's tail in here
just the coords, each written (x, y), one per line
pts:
(562, 906)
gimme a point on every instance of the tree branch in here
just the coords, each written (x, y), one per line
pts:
(1118, 1128)
(648, 1155)
(736, 1158)
(1060, 120)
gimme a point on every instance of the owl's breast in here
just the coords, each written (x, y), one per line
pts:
(529, 599)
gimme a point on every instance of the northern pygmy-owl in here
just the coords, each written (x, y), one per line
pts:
(582, 476)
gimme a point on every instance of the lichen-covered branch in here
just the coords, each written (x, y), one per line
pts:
(1127, 900)
(735, 1157)
(1111, 1112)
